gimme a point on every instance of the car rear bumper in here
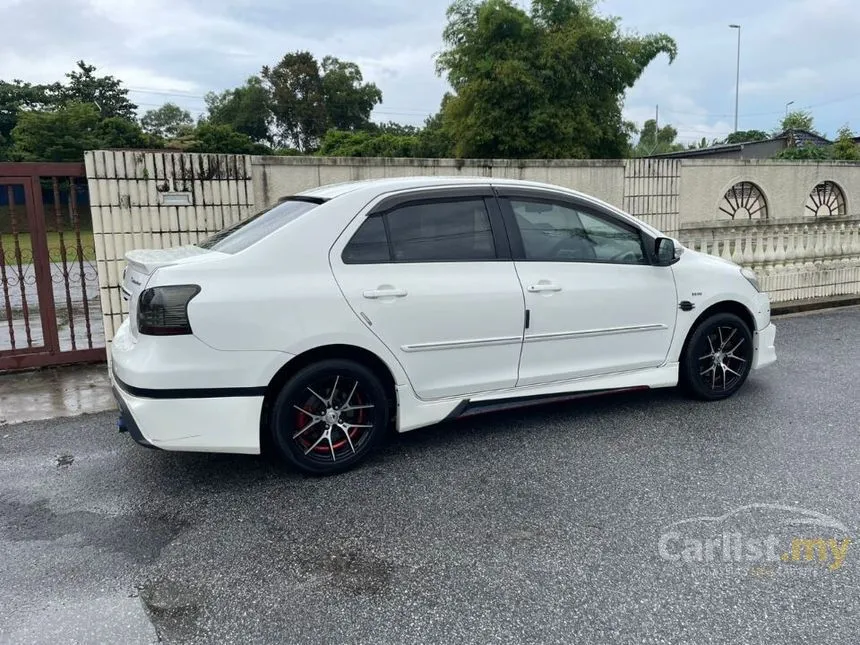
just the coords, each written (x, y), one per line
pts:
(127, 422)
(765, 352)
(177, 393)
(211, 424)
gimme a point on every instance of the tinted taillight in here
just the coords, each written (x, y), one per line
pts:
(163, 311)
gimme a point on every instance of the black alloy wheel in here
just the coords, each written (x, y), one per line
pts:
(329, 417)
(718, 358)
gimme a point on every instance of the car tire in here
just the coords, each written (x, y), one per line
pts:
(329, 417)
(717, 359)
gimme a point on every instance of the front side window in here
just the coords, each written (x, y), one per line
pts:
(241, 235)
(553, 232)
(441, 231)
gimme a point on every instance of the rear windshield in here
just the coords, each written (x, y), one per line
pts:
(241, 235)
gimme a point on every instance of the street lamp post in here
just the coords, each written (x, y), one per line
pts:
(787, 105)
(737, 75)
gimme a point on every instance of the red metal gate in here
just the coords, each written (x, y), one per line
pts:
(50, 312)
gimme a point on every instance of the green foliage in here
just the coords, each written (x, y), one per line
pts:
(342, 143)
(654, 142)
(390, 127)
(746, 136)
(67, 132)
(61, 135)
(169, 121)
(246, 109)
(798, 120)
(348, 100)
(844, 148)
(18, 95)
(545, 84)
(806, 153)
(207, 137)
(106, 92)
(117, 132)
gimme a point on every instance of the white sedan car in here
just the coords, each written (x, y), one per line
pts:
(313, 327)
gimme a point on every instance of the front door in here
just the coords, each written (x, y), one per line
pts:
(596, 305)
(432, 278)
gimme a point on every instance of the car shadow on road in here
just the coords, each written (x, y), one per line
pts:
(603, 418)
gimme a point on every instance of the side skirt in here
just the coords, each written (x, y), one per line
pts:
(468, 408)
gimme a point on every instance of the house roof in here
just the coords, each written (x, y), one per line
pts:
(804, 137)
(801, 139)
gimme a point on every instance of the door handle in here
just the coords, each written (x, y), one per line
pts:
(385, 292)
(543, 286)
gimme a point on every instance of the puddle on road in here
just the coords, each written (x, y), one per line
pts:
(55, 392)
(141, 537)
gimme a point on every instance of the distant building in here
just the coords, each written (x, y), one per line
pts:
(766, 149)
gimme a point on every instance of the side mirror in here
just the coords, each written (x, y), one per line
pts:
(664, 252)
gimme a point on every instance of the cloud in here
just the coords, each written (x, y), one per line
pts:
(791, 50)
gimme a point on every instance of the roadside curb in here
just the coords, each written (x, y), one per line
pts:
(815, 304)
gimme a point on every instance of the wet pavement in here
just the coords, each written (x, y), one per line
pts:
(54, 392)
(540, 526)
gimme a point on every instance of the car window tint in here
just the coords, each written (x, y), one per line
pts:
(554, 232)
(243, 234)
(613, 241)
(551, 232)
(369, 244)
(441, 231)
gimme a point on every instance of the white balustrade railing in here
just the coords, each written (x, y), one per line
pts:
(795, 259)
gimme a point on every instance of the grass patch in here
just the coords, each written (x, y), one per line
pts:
(54, 248)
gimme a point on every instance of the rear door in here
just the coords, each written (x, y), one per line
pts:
(430, 274)
(596, 303)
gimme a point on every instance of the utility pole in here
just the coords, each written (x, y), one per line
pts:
(737, 75)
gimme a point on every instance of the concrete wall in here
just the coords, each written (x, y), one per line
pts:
(276, 177)
(786, 185)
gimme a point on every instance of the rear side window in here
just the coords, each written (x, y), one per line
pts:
(369, 245)
(438, 231)
(241, 235)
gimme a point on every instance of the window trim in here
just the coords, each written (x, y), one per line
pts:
(516, 240)
(385, 207)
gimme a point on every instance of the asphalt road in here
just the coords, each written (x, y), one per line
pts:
(542, 526)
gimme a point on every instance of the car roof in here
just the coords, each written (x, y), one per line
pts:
(382, 186)
(372, 188)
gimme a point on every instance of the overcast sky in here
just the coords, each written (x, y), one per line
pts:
(792, 50)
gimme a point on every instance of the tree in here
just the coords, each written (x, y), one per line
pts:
(390, 127)
(844, 148)
(67, 132)
(207, 137)
(543, 84)
(343, 143)
(168, 121)
(654, 142)
(805, 153)
(246, 109)
(106, 92)
(307, 98)
(298, 100)
(17, 96)
(798, 120)
(117, 132)
(61, 135)
(747, 136)
(348, 101)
